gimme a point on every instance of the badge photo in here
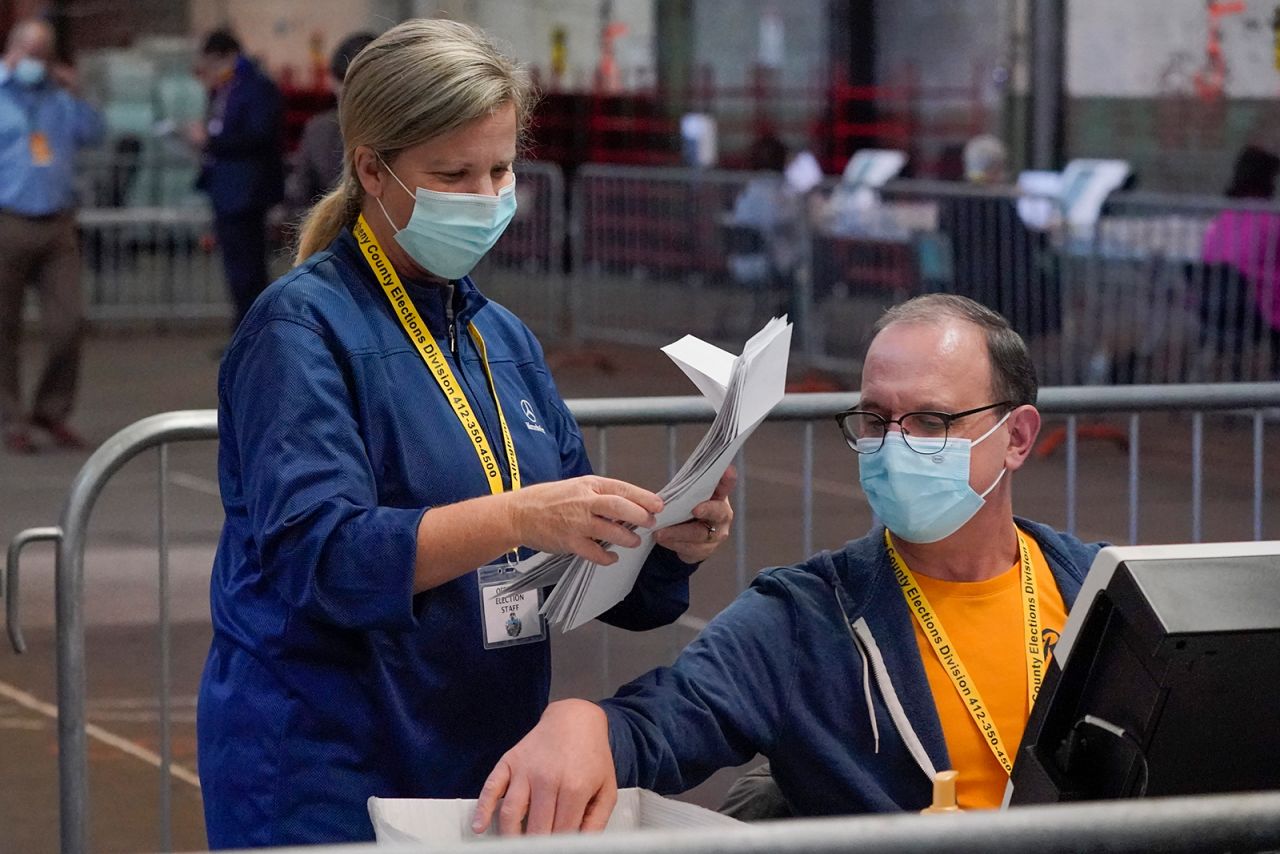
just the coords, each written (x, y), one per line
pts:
(509, 618)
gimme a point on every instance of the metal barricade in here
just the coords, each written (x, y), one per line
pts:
(873, 248)
(158, 262)
(150, 264)
(1180, 288)
(1214, 823)
(1159, 289)
(659, 252)
(131, 176)
(1180, 413)
(525, 270)
(662, 252)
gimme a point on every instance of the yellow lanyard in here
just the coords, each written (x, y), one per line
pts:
(415, 328)
(949, 657)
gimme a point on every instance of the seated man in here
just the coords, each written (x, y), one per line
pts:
(863, 672)
(996, 259)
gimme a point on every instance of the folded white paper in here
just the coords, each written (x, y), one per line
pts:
(397, 821)
(743, 389)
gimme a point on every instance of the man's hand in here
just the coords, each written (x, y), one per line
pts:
(560, 776)
(694, 542)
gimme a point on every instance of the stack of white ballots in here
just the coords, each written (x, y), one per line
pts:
(743, 389)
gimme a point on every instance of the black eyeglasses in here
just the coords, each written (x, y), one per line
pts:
(865, 431)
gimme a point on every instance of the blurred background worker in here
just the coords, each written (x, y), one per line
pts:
(1239, 290)
(997, 259)
(243, 165)
(317, 164)
(43, 122)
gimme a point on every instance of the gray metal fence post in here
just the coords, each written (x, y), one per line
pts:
(1257, 475)
(1134, 479)
(166, 751)
(1197, 475)
(572, 321)
(1072, 472)
(73, 783)
(806, 496)
(740, 521)
(11, 587)
(558, 236)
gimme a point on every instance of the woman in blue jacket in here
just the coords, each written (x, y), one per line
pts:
(389, 439)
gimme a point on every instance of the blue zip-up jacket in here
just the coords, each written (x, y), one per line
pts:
(816, 666)
(327, 680)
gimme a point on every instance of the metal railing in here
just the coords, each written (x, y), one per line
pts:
(525, 271)
(164, 176)
(1195, 402)
(1159, 289)
(651, 249)
(157, 262)
(1213, 823)
(151, 264)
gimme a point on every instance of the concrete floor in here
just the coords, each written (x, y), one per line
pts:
(127, 377)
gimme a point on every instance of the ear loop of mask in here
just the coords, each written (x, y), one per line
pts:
(1003, 470)
(390, 221)
(994, 428)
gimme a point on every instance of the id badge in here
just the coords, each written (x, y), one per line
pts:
(41, 151)
(510, 619)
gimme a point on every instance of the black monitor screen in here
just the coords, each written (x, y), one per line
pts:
(1171, 687)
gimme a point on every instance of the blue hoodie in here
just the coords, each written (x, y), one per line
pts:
(817, 667)
(327, 679)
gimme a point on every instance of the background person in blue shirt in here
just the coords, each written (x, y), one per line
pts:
(361, 643)
(243, 162)
(42, 125)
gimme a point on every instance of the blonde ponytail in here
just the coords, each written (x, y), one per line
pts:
(418, 80)
(335, 210)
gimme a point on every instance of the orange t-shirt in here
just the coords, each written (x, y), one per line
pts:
(984, 620)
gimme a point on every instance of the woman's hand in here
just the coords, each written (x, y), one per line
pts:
(693, 542)
(560, 776)
(573, 515)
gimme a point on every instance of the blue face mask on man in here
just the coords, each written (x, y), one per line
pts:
(448, 233)
(28, 71)
(921, 493)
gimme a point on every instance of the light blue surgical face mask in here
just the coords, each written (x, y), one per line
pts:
(448, 233)
(922, 497)
(28, 71)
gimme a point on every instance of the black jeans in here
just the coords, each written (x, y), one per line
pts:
(242, 237)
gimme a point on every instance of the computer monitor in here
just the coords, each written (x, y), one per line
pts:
(1165, 681)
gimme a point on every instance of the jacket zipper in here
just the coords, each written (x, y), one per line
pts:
(452, 323)
(498, 450)
(860, 633)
